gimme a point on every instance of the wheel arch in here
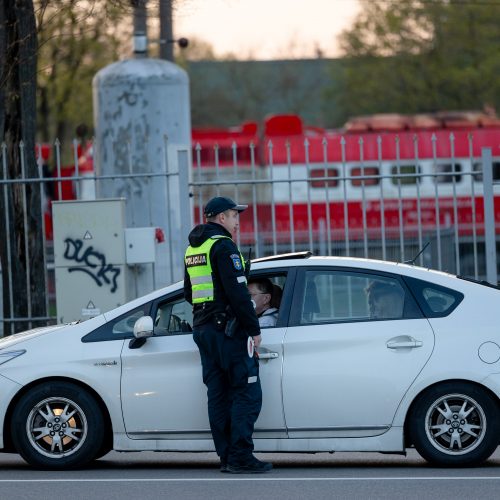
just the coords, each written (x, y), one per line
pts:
(7, 434)
(486, 389)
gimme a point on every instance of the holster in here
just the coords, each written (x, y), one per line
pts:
(231, 327)
(220, 321)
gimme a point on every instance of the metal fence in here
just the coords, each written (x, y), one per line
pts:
(440, 209)
(392, 209)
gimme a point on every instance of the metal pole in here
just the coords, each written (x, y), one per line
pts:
(169, 218)
(473, 205)
(308, 187)
(290, 197)
(7, 232)
(254, 203)
(166, 31)
(26, 230)
(489, 217)
(140, 28)
(186, 214)
(43, 205)
(273, 203)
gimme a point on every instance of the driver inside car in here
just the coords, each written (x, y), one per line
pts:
(261, 291)
(385, 300)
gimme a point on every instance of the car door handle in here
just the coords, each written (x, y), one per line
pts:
(268, 355)
(403, 342)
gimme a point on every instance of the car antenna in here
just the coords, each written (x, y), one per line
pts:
(412, 261)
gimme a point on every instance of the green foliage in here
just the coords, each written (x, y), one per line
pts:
(412, 56)
(76, 39)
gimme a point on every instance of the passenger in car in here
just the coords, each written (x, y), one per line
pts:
(262, 291)
(385, 300)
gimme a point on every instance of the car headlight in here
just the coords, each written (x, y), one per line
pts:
(7, 356)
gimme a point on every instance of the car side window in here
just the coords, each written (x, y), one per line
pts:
(173, 317)
(119, 328)
(340, 296)
(271, 287)
(436, 301)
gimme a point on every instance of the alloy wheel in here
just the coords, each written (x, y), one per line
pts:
(455, 424)
(56, 427)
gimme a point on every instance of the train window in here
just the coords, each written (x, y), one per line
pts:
(362, 173)
(443, 173)
(478, 167)
(321, 173)
(396, 171)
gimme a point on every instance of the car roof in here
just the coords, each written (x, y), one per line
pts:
(305, 259)
(438, 277)
(348, 262)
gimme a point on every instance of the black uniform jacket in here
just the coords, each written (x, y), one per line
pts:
(228, 277)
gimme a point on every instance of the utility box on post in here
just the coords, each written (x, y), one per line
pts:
(90, 257)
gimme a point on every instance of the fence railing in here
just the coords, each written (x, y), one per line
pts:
(441, 211)
(375, 205)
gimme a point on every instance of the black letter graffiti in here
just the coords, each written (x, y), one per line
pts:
(100, 271)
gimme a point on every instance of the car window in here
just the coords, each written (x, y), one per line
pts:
(173, 317)
(339, 296)
(435, 300)
(118, 328)
(275, 316)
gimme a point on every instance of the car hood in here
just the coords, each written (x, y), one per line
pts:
(11, 340)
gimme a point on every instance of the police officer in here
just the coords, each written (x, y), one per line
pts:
(215, 283)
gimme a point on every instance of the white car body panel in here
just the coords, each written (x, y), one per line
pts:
(8, 390)
(97, 366)
(390, 442)
(467, 325)
(271, 421)
(154, 402)
(349, 375)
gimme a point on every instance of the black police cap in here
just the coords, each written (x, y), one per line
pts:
(220, 204)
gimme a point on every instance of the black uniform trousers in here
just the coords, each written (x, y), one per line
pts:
(233, 390)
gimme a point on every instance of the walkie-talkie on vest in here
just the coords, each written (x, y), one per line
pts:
(248, 263)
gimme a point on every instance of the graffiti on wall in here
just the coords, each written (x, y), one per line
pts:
(91, 262)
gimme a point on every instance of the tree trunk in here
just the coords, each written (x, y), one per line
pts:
(21, 237)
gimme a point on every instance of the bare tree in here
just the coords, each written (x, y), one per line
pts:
(21, 236)
(76, 38)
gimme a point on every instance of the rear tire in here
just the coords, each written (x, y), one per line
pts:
(455, 425)
(57, 425)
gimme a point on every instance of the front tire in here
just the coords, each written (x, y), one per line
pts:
(57, 425)
(455, 425)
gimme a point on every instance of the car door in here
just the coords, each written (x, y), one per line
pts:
(162, 389)
(346, 365)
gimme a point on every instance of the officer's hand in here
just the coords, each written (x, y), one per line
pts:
(257, 340)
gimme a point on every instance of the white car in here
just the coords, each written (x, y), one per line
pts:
(366, 356)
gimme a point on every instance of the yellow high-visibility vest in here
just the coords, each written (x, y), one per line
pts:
(199, 269)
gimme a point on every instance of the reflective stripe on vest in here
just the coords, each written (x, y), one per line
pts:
(199, 268)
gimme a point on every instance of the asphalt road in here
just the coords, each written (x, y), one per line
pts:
(148, 476)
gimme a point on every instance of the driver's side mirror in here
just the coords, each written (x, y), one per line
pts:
(143, 328)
